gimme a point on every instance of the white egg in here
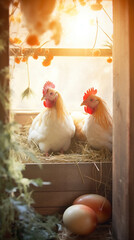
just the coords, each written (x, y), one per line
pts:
(80, 219)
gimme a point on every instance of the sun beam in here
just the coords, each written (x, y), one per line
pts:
(81, 28)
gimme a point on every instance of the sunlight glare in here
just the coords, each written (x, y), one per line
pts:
(82, 27)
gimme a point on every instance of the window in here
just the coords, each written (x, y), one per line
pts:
(85, 33)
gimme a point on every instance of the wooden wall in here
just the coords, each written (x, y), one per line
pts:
(4, 57)
(123, 132)
(68, 181)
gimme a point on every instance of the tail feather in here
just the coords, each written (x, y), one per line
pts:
(79, 120)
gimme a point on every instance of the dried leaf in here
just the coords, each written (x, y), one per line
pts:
(27, 93)
(108, 44)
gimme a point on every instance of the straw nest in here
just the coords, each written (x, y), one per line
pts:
(102, 232)
(78, 152)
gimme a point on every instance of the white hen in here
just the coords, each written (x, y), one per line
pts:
(53, 128)
(96, 124)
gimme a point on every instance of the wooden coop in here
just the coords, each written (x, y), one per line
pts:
(70, 180)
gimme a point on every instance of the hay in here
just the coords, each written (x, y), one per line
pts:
(102, 232)
(79, 151)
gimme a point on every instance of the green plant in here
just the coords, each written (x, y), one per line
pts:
(18, 220)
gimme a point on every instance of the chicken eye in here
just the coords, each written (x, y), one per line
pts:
(91, 100)
(51, 93)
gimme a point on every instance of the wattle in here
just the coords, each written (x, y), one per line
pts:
(49, 104)
(89, 110)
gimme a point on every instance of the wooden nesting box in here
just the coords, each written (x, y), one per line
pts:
(68, 181)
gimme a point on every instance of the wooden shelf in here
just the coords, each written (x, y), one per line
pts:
(64, 52)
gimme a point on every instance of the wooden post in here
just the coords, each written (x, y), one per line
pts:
(4, 58)
(123, 131)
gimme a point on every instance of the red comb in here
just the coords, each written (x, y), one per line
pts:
(90, 91)
(47, 85)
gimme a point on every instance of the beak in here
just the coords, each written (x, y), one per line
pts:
(83, 103)
(43, 98)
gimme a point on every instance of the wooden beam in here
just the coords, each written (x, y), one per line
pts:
(4, 62)
(131, 111)
(64, 52)
(123, 131)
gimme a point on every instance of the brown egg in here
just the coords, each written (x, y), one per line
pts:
(80, 219)
(98, 203)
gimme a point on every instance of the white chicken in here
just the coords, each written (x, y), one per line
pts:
(96, 125)
(53, 128)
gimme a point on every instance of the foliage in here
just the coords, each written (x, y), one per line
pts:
(18, 220)
(27, 92)
(33, 226)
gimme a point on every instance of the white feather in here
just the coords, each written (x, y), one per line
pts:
(52, 133)
(97, 136)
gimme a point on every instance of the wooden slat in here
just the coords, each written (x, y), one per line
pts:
(52, 202)
(56, 199)
(64, 52)
(131, 109)
(24, 118)
(123, 132)
(4, 59)
(68, 181)
(50, 211)
(71, 177)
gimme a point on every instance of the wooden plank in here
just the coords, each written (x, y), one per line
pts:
(72, 176)
(49, 211)
(64, 52)
(131, 133)
(56, 199)
(121, 119)
(68, 182)
(4, 62)
(24, 118)
(123, 131)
